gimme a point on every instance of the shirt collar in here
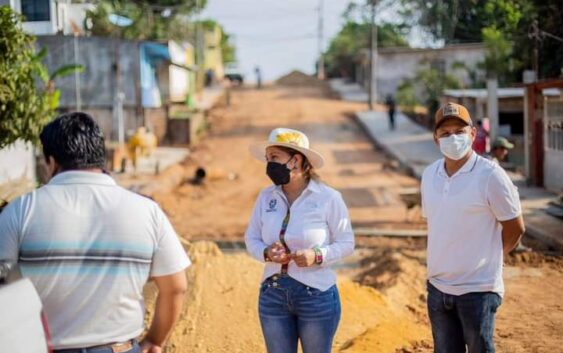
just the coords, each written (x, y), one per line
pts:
(81, 177)
(466, 168)
(313, 186)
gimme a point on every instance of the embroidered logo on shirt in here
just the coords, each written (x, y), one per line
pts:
(272, 205)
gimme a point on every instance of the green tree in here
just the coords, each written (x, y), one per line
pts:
(429, 82)
(228, 49)
(342, 53)
(550, 56)
(25, 106)
(462, 21)
(152, 20)
(505, 22)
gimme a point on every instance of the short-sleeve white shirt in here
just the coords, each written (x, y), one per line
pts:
(318, 217)
(464, 211)
(89, 246)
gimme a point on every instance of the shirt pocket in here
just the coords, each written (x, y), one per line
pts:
(315, 229)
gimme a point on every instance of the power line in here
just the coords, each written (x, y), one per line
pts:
(274, 39)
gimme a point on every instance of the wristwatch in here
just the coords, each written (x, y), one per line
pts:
(318, 255)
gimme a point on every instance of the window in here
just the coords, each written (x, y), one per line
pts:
(36, 10)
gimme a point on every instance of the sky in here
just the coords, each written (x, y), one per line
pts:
(282, 35)
(278, 36)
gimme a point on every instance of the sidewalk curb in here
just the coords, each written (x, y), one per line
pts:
(554, 240)
(403, 163)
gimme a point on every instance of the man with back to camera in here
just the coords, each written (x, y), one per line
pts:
(89, 246)
(474, 219)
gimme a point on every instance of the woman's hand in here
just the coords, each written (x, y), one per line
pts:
(304, 258)
(277, 253)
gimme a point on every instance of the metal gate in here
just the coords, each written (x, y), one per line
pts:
(553, 143)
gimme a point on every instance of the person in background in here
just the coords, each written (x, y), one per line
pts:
(299, 227)
(89, 246)
(480, 143)
(474, 219)
(390, 102)
(499, 150)
(258, 74)
(499, 154)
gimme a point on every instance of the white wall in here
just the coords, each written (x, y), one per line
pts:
(16, 161)
(553, 170)
(396, 64)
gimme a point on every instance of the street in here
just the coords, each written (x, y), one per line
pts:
(382, 285)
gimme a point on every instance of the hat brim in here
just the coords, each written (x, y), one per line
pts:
(258, 150)
(452, 117)
(508, 146)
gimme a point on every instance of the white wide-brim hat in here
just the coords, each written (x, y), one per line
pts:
(289, 138)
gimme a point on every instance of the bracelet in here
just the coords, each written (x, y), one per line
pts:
(266, 257)
(318, 255)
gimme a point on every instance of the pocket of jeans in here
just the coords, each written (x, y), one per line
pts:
(264, 286)
(314, 292)
(434, 300)
(496, 302)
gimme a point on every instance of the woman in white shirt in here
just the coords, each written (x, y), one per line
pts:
(299, 227)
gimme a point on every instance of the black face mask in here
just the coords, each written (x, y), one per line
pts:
(279, 173)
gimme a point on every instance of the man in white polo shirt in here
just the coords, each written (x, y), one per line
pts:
(474, 217)
(89, 246)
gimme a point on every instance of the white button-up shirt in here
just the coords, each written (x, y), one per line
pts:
(464, 211)
(318, 217)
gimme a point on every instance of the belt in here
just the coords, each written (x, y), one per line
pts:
(119, 347)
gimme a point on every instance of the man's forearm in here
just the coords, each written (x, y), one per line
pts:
(509, 241)
(512, 231)
(167, 311)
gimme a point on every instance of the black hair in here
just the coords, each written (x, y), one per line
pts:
(307, 167)
(75, 141)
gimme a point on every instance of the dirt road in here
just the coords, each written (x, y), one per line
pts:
(382, 285)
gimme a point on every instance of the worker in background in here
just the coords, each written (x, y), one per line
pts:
(499, 154)
(141, 144)
(500, 149)
(258, 73)
(391, 111)
(480, 143)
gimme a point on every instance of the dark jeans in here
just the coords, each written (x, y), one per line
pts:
(135, 349)
(462, 323)
(291, 311)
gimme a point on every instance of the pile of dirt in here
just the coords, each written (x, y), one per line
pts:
(535, 259)
(298, 78)
(398, 274)
(221, 313)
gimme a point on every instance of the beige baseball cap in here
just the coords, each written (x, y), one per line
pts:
(452, 111)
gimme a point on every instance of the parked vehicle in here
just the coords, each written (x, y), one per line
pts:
(23, 326)
(234, 73)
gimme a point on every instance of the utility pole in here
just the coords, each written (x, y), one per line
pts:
(199, 52)
(321, 64)
(536, 36)
(372, 89)
(77, 75)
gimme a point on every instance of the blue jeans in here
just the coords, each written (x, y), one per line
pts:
(135, 349)
(291, 311)
(460, 321)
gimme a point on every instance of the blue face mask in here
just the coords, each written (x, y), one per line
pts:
(455, 146)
